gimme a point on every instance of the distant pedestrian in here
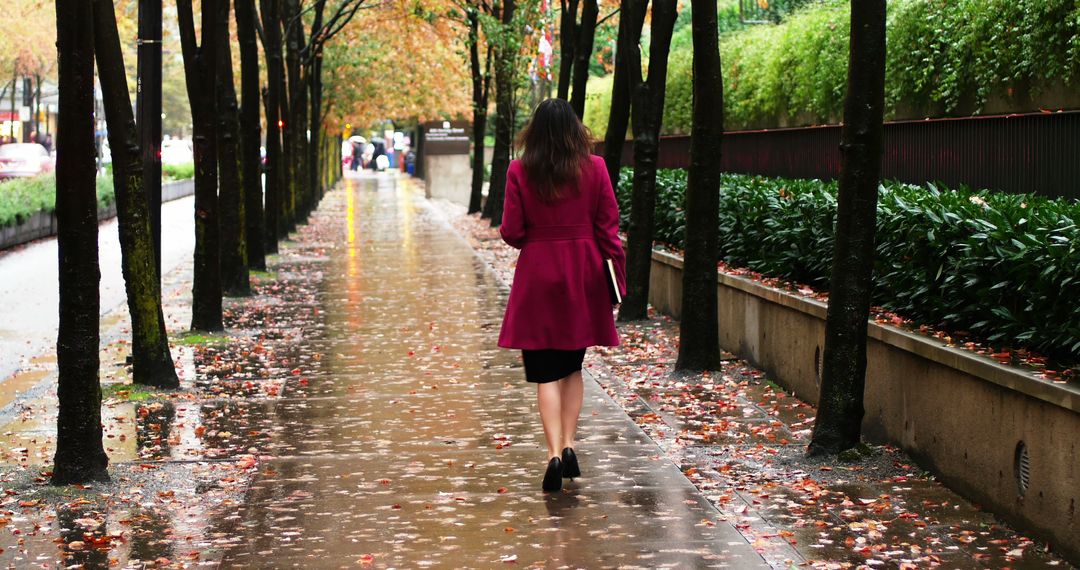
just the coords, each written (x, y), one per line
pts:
(560, 210)
(357, 148)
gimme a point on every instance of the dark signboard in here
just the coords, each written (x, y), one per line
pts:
(446, 137)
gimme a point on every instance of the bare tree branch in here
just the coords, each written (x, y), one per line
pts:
(608, 17)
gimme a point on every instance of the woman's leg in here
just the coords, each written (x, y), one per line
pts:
(549, 398)
(572, 392)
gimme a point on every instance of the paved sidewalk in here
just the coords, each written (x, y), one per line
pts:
(417, 444)
(29, 293)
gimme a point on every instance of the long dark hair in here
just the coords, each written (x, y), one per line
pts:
(557, 148)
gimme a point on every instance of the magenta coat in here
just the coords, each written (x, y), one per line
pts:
(560, 297)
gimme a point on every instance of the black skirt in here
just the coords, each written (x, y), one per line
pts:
(549, 365)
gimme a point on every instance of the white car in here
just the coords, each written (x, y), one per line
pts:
(22, 160)
(177, 151)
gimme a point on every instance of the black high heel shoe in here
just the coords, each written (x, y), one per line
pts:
(569, 462)
(553, 476)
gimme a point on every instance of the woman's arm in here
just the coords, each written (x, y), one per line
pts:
(606, 229)
(512, 228)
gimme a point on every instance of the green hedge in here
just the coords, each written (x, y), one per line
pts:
(21, 198)
(178, 171)
(1003, 267)
(944, 58)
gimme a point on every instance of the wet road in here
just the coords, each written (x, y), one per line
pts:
(29, 294)
(416, 442)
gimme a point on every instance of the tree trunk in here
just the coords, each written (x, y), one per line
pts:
(152, 361)
(314, 120)
(481, 87)
(315, 145)
(505, 56)
(250, 134)
(200, 68)
(14, 89)
(80, 457)
(631, 20)
(234, 269)
(295, 124)
(648, 111)
(275, 91)
(37, 109)
(583, 55)
(840, 406)
(568, 37)
(699, 340)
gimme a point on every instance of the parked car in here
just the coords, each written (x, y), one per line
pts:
(21, 160)
(177, 151)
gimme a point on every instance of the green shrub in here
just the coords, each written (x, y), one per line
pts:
(178, 171)
(598, 105)
(944, 58)
(21, 198)
(1003, 267)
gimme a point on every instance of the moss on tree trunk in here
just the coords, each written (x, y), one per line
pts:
(152, 361)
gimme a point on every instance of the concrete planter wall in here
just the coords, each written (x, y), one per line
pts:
(966, 418)
(43, 224)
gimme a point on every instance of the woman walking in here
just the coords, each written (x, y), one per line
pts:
(560, 211)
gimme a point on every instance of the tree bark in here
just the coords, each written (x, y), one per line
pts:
(699, 341)
(200, 68)
(313, 65)
(843, 377)
(631, 20)
(481, 88)
(276, 170)
(568, 37)
(234, 269)
(295, 123)
(505, 55)
(648, 111)
(152, 361)
(250, 134)
(315, 165)
(583, 54)
(80, 456)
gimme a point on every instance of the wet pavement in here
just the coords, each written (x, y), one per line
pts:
(417, 442)
(357, 413)
(740, 439)
(29, 293)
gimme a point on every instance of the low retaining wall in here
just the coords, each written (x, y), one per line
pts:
(999, 435)
(43, 224)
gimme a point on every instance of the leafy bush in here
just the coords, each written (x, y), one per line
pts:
(21, 198)
(944, 58)
(178, 171)
(598, 104)
(1003, 267)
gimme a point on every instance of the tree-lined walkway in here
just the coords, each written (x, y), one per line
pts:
(416, 441)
